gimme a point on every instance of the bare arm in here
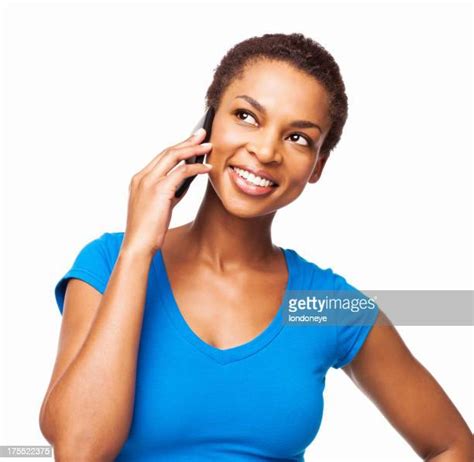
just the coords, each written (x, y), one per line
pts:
(88, 408)
(409, 397)
(87, 411)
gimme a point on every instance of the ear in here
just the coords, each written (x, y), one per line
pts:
(318, 168)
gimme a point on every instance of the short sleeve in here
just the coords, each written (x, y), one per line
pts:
(354, 323)
(92, 265)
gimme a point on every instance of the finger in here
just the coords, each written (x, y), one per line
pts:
(173, 157)
(192, 140)
(196, 138)
(177, 176)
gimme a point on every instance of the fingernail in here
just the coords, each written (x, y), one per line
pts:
(199, 131)
(207, 165)
(206, 145)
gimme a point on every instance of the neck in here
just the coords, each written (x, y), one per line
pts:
(226, 241)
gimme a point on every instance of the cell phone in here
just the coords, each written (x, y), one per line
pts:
(204, 122)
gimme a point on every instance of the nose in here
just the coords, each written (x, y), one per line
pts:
(264, 146)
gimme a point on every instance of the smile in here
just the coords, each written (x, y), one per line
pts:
(251, 178)
(249, 183)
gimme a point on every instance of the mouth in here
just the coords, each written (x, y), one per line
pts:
(263, 180)
(249, 183)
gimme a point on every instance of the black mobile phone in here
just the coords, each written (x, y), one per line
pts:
(206, 123)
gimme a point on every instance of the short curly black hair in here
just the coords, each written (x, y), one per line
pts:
(304, 54)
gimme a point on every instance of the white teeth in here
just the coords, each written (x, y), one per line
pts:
(251, 178)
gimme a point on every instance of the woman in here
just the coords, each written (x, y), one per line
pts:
(172, 342)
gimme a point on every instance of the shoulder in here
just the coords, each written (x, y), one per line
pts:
(111, 239)
(311, 275)
(93, 263)
(102, 250)
(351, 313)
(110, 244)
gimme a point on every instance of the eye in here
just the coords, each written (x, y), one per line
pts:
(244, 115)
(240, 112)
(309, 143)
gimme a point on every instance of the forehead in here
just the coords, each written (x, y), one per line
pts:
(282, 89)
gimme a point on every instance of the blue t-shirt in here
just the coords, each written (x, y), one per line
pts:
(260, 401)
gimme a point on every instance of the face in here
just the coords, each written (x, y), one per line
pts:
(272, 121)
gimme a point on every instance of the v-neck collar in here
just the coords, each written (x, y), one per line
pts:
(228, 355)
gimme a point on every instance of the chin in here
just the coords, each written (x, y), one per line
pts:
(244, 212)
(243, 208)
(241, 205)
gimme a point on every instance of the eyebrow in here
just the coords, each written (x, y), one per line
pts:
(295, 123)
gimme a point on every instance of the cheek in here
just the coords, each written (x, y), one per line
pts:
(300, 174)
(225, 140)
(230, 138)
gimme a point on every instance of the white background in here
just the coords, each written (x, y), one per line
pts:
(92, 91)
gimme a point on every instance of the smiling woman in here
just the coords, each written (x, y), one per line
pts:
(176, 339)
(272, 115)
